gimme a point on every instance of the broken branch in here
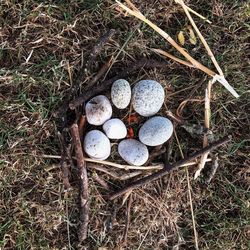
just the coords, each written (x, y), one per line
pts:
(83, 192)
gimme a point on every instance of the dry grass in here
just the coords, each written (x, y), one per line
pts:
(38, 42)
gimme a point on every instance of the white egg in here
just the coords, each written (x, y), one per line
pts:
(147, 97)
(97, 145)
(121, 93)
(115, 129)
(156, 131)
(98, 110)
(133, 152)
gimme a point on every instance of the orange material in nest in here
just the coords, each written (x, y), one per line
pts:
(133, 118)
(131, 133)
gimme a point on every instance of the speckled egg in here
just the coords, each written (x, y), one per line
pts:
(133, 152)
(115, 129)
(156, 131)
(97, 145)
(121, 93)
(147, 97)
(98, 110)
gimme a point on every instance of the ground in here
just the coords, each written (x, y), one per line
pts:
(42, 44)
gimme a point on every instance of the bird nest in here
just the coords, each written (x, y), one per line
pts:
(74, 125)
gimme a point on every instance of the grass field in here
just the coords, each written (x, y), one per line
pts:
(42, 43)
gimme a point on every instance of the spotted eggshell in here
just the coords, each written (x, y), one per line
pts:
(147, 97)
(121, 93)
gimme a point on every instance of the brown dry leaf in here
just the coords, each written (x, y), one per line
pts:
(181, 38)
(192, 37)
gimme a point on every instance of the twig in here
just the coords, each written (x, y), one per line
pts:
(166, 54)
(183, 104)
(83, 192)
(125, 167)
(169, 149)
(207, 126)
(103, 169)
(114, 175)
(99, 180)
(199, 15)
(98, 47)
(127, 176)
(215, 165)
(82, 125)
(168, 168)
(97, 89)
(128, 211)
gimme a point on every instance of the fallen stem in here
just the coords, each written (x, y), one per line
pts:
(129, 167)
(166, 54)
(199, 15)
(125, 167)
(207, 115)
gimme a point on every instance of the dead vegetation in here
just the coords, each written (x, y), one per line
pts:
(43, 45)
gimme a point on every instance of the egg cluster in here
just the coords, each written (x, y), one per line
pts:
(147, 98)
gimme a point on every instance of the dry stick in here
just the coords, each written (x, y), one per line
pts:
(127, 176)
(125, 167)
(98, 47)
(83, 192)
(197, 14)
(168, 168)
(103, 169)
(130, 167)
(194, 62)
(128, 218)
(166, 54)
(210, 53)
(215, 165)
(207, 126)
(82, 125)
(114, 175)
(104, 86)
(99, 180)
